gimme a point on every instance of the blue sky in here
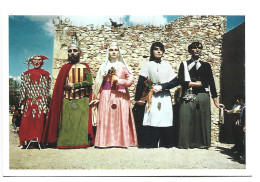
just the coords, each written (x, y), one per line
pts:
(32, 35)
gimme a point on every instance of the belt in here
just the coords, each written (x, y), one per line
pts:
(107, 86)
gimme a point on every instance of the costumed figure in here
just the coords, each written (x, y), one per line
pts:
(35, 86)
(195, 115)
(155, 79)
(69, 122)
(114, 117)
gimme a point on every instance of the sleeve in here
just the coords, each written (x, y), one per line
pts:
(144, 70)
(211, 82)
(86, 83)
(22, 95)
(173, 83)
(139, 88)
(46, 90)
(230, 111)
(128, 81)
(181, 77)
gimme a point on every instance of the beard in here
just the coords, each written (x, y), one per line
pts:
(73, 59)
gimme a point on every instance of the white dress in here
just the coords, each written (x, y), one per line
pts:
(161, 113)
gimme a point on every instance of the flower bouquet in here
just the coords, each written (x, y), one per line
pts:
(112, 72)
(148, 93)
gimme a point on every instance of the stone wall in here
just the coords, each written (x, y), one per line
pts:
(135, 42)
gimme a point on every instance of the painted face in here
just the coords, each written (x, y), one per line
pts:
(73, 54)
(196, 52)
(113, 52)
(157, 53)
(37, 62)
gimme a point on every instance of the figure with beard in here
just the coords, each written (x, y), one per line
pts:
(195, 115)
(157, 124)
(69, 121)
(115, 121)
(35, 86)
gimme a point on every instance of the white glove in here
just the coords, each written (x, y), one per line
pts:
(157, 88)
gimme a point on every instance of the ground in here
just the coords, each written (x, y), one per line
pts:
(219, 156)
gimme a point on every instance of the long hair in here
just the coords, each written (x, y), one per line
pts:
(155, 44)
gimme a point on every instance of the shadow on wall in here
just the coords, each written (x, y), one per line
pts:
(233, 76)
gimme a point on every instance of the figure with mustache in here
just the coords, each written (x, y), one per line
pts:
(195, 115)
(157, 123)
(69, 122)
(35, 86)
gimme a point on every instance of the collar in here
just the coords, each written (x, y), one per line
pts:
(157, 61)
(193, 60)
(113, 60)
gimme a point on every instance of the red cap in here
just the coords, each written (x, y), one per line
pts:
(42, 56)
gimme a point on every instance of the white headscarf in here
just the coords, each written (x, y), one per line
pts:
(105, 65)
(104, 68)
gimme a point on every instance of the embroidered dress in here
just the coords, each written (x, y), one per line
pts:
(35, 85)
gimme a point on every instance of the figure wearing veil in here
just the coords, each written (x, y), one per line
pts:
(114, 117)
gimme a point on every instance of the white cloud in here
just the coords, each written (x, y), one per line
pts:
(40, 18)
(94, 20)
(49, 27)
(17, 78)
(148, 20)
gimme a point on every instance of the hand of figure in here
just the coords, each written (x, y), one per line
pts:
(244, 129)
(140, 102)
(216, 102)
(22, 107)
(69, 86)
(222, 106)
(93, 102)
(115, 78)
(157, 88)
(199, 83)
(94, 123)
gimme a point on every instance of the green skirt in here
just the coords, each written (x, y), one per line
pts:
(73, 129)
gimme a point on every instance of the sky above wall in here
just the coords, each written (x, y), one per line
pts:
(33, 35)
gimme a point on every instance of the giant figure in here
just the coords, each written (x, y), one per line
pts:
(69, 120)
(35, 85)
(115, 121)
(195, 115)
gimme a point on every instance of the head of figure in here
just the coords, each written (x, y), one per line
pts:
(73, 53)
(195, 49)
(240, 99)
(37, 61)
(156, 51)
(113, 52)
